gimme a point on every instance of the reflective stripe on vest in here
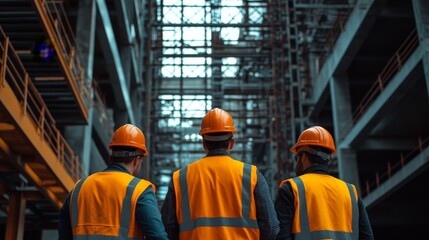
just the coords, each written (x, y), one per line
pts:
(101, 237)
(245, 221)
(125, 216)
(326, 234)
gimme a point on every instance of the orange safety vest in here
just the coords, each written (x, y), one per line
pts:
(103, 206)
(214, 199)
(325, 207)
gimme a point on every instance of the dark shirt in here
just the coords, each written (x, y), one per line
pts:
(265, 213)
(284, 206)
(148, 216)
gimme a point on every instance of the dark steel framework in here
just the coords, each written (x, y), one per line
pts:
(247, 57)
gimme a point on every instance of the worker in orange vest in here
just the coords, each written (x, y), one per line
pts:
(114, 204)
(218, 197)
(316, 205)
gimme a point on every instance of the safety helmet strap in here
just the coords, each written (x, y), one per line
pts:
(324, 156)
(125, 154)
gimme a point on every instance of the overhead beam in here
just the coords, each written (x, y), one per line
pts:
(114, 60)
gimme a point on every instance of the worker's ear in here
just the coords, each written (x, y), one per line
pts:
(231, 144)
(137, 161)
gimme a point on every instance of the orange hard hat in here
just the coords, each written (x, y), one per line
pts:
(129, 135)
(315, 136)
(217, 121)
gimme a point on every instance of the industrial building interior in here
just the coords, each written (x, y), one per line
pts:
(71, 72)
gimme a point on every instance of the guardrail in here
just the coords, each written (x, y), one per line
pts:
(13, 73)
(392, 168)
(55, 22)
(334, 33)
(392, 67)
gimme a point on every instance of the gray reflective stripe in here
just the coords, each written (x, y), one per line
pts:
(126, 208)
(355, 212)
(305, 228)
(218, 222)
(74, 210)
(125, 216)
(245, 191)
(245, 221)
(303, 213)
(324, 235)
(100, 237)
(186, 212)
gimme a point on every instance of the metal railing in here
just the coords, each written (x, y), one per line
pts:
(384, 77)
(392, 168)
(392, 67)
(55, 20)
(13, 73)
(334, 33)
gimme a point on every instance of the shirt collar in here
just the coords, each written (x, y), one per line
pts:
(217, 152)
(116, 167)
(317, 169)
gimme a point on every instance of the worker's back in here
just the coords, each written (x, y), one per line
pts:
(217, 199)
(326, 207)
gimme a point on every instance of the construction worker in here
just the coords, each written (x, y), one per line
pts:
(218, 197)
(315, 205)
(114, 204)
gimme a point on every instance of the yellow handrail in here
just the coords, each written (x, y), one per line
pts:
(34, 107)
(57, 25)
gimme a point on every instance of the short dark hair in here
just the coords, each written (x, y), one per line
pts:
(216, 145)
(315, 159)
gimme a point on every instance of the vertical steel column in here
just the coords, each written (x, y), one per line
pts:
(16, 217)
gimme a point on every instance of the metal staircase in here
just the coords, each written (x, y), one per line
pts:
(37, 98)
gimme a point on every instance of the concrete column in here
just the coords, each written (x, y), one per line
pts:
(97, 161)
(343, 122)
(120, 117)
(80, 137)
(125, 52)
